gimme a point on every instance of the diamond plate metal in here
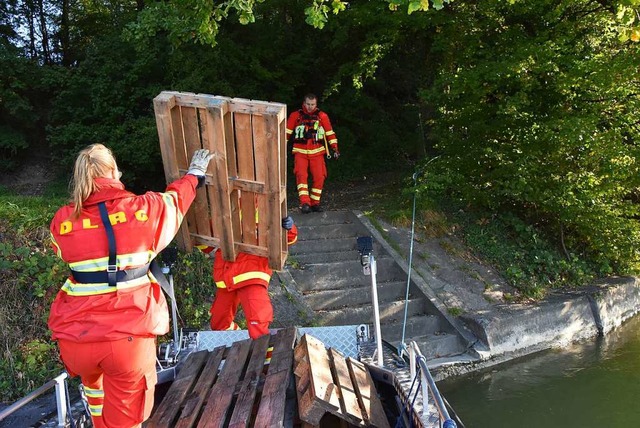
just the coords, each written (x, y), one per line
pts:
(342, 338)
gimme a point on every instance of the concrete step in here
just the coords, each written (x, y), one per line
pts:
(357, 296)
(336, 230)
(330, 245)
(437, 345)
(344, 274)
(301, 259)
(389, 313)
(324, 218)
(421, 325)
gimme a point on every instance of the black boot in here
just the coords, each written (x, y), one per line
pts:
(316, 208)
(305, 209)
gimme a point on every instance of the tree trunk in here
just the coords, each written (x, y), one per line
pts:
(46, 54)
(64, 34)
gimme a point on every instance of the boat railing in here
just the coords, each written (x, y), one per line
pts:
(60, 384)
(417, 361)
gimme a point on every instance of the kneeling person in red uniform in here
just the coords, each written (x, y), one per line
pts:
(245, 282)
(111, 308)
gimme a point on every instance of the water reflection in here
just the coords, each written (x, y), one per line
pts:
(593, 384)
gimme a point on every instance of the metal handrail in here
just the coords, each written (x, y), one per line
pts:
(59, 383)
(429, 387)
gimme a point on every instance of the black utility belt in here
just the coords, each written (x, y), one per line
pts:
(103, 275)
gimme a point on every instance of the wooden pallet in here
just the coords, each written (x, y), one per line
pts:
(327, 382)
(244, 392)
(247, 139)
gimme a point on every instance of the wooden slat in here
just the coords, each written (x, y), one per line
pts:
(275, 236)
(193, 403)
(163, 105)
(261, 157)
(170, 406)
(254, 106)
(320, 377)
(183, 160)
(348, 398)
(246, 396)
(274, 392)
(282, 142)
(215, 412)
(272, 404)
(246, 170)
(213, 139)
(370, 404)
(199, 222)
(232, 170)
(282, 354)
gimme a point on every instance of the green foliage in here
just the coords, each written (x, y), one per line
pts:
(536, 117)
(526, 257)
(26, 368)
(30, 275)
(194, 288)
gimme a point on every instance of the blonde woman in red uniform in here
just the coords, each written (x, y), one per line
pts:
(111, 308)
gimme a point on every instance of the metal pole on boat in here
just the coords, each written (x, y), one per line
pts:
(368, 262)
(376, 310)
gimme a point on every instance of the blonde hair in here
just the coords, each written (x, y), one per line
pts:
(92, 162)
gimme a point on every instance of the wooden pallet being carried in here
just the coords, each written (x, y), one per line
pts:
(244, 392)
(326, 382)
(246, 179)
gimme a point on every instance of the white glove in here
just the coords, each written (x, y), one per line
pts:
(200, 162)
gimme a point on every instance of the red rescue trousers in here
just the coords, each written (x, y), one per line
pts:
(255, 302)
(118, 377)
(301, 165)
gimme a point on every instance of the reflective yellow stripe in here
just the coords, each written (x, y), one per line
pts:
(293, 242)
(123, 261)
(315, 197)
(302, 186)
(95, 393)
(308, 152)
(302, 192)
(95, 409)
(103, 288)
(233, 326)
(58, 250)
(221, 284)
(330, 133)
(251, 275)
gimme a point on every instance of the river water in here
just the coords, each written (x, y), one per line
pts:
(595, 384)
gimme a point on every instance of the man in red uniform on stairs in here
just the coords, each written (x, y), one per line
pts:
(310, 130)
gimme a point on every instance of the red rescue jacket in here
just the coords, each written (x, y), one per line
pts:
(143, 226)
(308, 130)
(246, 269)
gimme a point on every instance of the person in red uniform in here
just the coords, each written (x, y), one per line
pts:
(111, 308)
(244, 282)
(310, 129)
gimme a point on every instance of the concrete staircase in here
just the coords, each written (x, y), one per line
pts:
(325, 268)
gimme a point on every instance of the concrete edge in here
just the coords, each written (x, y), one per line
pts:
(289, 283)
(515, 330)
(467, 335)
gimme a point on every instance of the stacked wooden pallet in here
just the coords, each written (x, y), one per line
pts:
(247, 175)
(231, 387)
(329, 383)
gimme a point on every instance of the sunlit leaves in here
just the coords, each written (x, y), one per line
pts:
(416, 5)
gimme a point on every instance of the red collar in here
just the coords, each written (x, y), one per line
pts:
(107, 189)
